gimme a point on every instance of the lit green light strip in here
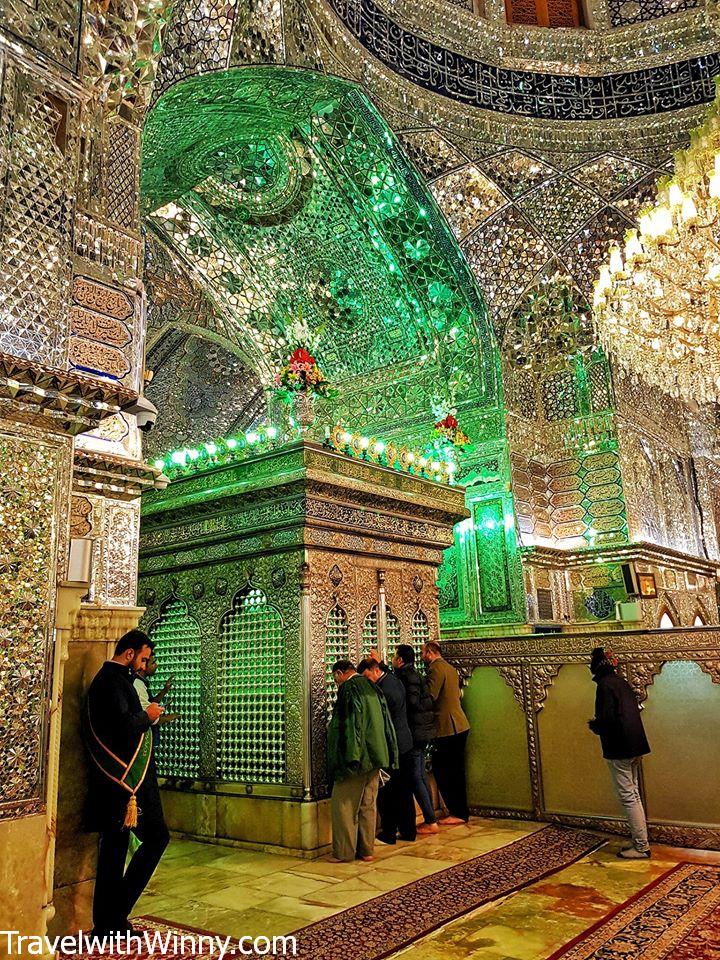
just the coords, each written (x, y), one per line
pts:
(267, 438)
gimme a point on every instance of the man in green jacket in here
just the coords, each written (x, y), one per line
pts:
(361, 741)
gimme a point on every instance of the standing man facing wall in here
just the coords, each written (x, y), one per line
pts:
(421, 720)
(361, 741)
(395, 800)
(451, 733)
(619, 725)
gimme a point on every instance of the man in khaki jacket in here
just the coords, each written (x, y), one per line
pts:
(451, 733)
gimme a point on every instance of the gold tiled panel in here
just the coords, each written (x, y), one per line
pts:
(565, 530)
(601, 477)
(606, 508)
(34, 483)
(565, 483)
(564, 468)
(604, 491)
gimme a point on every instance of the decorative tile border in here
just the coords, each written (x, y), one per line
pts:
(618, 96)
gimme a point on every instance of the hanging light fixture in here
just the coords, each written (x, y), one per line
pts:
(657, 300)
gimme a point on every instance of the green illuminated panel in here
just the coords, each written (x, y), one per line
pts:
(419, 633)
(447, 581)
(392, 630)
(492, 554)
(337, 647)
(370, 632)
(251, 691)
(177, 649)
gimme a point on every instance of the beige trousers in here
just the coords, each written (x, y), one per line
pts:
(353, 806)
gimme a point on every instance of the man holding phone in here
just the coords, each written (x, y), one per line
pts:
(124, 794)
(146, 696)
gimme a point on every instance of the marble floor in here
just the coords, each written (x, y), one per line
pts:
(242, 892)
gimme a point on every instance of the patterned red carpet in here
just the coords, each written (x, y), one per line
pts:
(393, 920)
(677, 917)
(385, 924)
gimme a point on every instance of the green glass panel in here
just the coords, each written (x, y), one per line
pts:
(251, 691)
(492, 556)
(177, 649)
(337, 647)
(419, 633)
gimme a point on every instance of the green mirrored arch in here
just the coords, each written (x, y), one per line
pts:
(282, 191)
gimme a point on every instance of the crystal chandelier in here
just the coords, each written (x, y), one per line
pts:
(656, 303)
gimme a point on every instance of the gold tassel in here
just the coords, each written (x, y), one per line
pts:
(131, 814)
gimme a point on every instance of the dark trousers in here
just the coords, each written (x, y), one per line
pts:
(396, 803)
(116, 889)
(448, 763)
(421, 787)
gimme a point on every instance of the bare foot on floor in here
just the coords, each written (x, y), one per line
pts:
(428, 828)
(367, 859)
(451, 821)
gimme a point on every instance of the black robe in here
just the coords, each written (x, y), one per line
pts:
(119, 721)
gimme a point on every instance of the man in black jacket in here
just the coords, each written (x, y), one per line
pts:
(618, 724)
(123, 794)
(421, 719)
(395, 800)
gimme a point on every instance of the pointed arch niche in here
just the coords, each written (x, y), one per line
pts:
(419, 632)
(251, 690)
(178, 653)
(337, 647)
(370, 630)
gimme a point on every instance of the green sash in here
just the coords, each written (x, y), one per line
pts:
(128, 775)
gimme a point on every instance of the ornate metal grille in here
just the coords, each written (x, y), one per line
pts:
(419, 633)
(598, 380)
(177, 638)
(369, 631)
(251, 691)
(545, 604)
(544, 13)
(122, 188)
(337, 647)
(370, 634)
(393, 630)
(622, 14)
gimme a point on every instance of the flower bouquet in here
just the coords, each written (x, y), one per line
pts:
(449, 430)
(302, 374)
(300, 380)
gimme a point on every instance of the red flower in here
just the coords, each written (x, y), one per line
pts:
(449, 423)
(302, 356)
